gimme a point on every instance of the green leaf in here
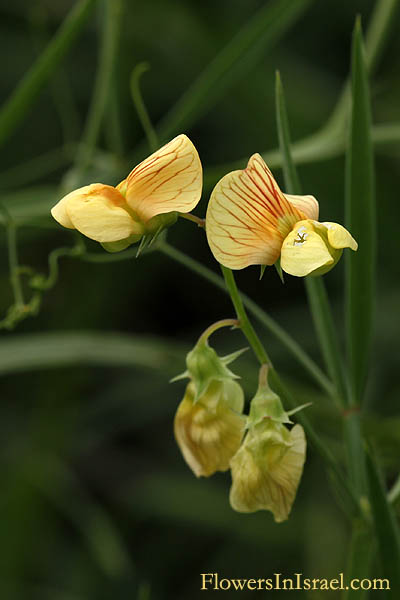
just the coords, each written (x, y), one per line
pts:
(263, 30)
(360, 558)
(57, 349)
(386, 527)
(361, 221)
(317, 296)
(328, 141)
(24, 95)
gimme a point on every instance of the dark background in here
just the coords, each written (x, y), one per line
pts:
(96, 500)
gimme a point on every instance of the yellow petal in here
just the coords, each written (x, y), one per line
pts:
(304, 251)
(339, 237)
(307, 204)
(209, 431)
(248, 217)
(96, 211)
(168, 180)
(266, 473)
(59, 211)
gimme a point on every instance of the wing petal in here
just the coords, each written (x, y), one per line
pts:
(169, 180)
(307, 204)
(248, 217)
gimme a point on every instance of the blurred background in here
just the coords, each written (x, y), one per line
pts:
(96, 500)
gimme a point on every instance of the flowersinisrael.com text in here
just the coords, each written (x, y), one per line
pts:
(213, 581)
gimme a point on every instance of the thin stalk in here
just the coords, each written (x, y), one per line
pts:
(13, 258)
(140, 106)
(290, 344)
(13, 264)
(17, 106)
(244, 322)
(395, 491)
(263, 358)
(103, 82)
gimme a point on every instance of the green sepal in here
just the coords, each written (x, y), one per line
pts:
(229, 358)
(298, 409)
(262, 271)
(120, 244)
(144, 243)
(184, 375)
(278, 268)
(204, 365)
(266, 404)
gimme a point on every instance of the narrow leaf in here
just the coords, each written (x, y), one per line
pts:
(20, 101)
(317, 296)
(387, 529)
(262, 31)
(360, 558)
(361, 221)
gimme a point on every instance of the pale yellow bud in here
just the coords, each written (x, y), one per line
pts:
(210, 430)
(267, 469)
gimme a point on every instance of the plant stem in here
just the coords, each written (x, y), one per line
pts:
(13, 262)
(16, 107)
(262, 356)
(395, 491)
(244, 322)
(294, 348)
(140, 106)
(103, 83)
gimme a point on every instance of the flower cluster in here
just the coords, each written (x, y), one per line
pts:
(249, 221)
(265, 458)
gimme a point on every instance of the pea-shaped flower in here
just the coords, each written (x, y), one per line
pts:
(251, 222)
(164, 184)
(209, 431)
(209, 424)
(267, 468)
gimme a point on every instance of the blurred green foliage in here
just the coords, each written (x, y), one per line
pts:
(96, 501)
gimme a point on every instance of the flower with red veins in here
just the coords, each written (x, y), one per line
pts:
(166, 183)
(250, 221)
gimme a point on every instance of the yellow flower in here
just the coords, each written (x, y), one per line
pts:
(209, 431)
(209, 424)
(167, 182)
(267, 468)
(251, 222)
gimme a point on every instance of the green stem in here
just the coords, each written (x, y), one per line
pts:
(290, 344)
(395, 491)
(140, 106)
(215, 326)
(13, 258)
(103, 83)
(263, 358)
(244, 322)
(17, 106)
(13, 263)
(327, 334)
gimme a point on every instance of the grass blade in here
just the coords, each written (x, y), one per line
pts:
(387, 529)
(266, 27)
(20, 101)
(28, 352)
(317, 296)
(361, 221)
(360, 558)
